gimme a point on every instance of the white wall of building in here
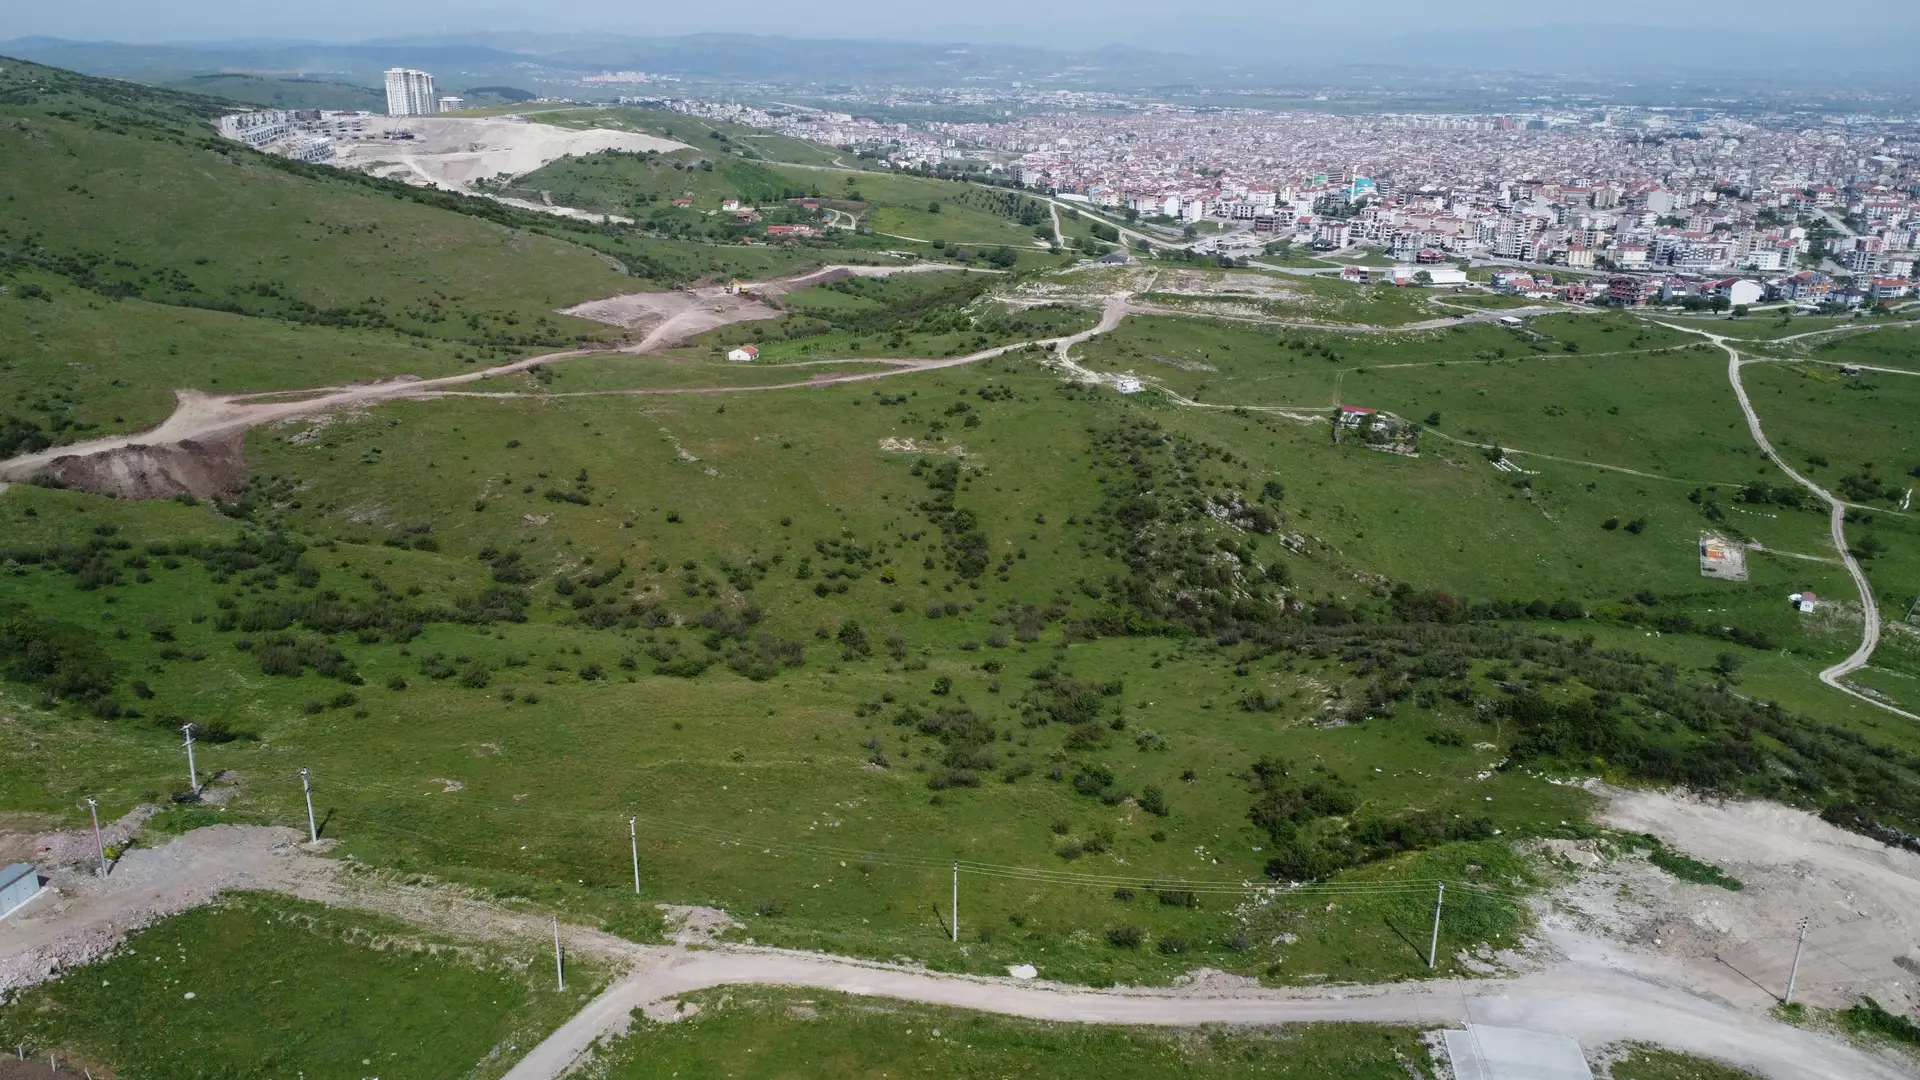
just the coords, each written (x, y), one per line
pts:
(411, 93)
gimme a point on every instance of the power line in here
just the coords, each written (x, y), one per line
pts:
(1035, 875)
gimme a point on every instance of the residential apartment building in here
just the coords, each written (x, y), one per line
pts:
(410, 93)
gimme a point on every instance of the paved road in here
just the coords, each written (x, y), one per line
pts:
(1837, 222)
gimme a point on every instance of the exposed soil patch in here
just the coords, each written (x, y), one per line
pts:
(688, 925)
(1203, 283)
(202, 468)
(1862, 900)
(453, 152)
(667, 319)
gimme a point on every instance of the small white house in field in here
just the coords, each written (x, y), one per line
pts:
(744, 353)
(1127, 384)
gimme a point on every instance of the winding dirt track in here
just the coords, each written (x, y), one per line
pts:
(1595, 990)
(1586, 1002)
(201, 417)
(1834, 676)
(673, 317)
(666, 319)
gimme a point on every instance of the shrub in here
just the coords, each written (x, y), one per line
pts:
(1126, 936)
(683, 667)
(1153, 801)
(853, 641)
(1870, 1018)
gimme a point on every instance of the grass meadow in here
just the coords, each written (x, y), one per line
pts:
(824, 642)
(260, 985)
(761, 1032)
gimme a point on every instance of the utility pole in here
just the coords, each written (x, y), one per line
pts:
(193, 774)
(559, 973)
(1794, 975)
(306, 788)
(1433, 947)
(93, 808)
(633, 835)
(956, 903)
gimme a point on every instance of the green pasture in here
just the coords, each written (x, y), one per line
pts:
(258, 985)
(762, 1032)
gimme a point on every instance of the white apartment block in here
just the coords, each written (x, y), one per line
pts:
(300, 134)
(308, 148)
(410, 93)
(257, 128)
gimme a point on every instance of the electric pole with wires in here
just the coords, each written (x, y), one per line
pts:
(1793, 976)
(306, 788)
(93, 808)
(193, 774)
(1433, 947)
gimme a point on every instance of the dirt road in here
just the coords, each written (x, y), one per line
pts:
(1671, 965)
(1835, 675)
(167, 458)
(1588, 1003)
(670, 318)
(201, 420)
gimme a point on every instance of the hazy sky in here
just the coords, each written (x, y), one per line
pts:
(1148, 23)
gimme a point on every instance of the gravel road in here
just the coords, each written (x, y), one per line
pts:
(1598, 989)
(1584, 1000)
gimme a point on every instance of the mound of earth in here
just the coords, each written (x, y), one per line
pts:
(202, 468)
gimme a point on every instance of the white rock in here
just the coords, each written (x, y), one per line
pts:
(1022, 971)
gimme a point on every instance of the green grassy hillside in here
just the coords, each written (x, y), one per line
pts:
(1139, 665)
(285, 93)
(260, 985)
(140, 253)
(761, 1033)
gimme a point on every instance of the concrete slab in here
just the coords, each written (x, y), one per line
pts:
(1493, 1053)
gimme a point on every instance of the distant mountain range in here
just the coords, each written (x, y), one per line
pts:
(738, 57)
(1593, 58)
